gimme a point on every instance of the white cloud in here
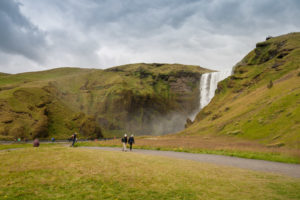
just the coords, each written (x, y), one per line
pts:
(87, 33)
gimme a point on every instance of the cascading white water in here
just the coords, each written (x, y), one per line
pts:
(208, 85)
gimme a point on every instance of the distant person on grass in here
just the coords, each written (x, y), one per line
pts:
(124, 142)
(36, 142)
(131, 141)
(74, 139)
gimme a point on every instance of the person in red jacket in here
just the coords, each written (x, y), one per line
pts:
(36, 142)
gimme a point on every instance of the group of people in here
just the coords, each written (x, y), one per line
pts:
(73, 138)
(126, 140)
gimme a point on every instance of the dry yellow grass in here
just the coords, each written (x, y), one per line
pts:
(74, 173)
(205, 142)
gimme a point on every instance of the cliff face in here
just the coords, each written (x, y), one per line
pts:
(139, 98)
(260, 101)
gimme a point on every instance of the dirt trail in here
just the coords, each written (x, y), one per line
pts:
(292, 170)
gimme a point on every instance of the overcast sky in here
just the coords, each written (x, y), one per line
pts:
(216, 34)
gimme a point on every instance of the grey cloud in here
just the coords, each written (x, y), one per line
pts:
(92, 33)
(18, 35)
(132, 17)
(243, 17)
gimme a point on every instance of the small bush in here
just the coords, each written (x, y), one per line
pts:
(299, 74)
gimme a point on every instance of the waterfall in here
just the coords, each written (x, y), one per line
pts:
(208, 85)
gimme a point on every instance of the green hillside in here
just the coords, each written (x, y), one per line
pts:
(3, 74)
(137, 98)
(261, 100)
(30, 108)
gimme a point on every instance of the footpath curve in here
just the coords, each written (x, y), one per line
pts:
(292, 170)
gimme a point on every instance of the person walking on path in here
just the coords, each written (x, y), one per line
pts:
(124, 142)
(131, 141)
(74, 139)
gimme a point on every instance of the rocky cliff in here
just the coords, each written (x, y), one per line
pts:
(137, 98)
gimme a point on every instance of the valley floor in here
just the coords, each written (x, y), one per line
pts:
(292, 170)
(59, 172)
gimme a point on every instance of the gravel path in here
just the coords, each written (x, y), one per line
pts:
(292, 170)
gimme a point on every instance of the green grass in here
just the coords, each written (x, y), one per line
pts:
(14, 146)
(269, 156)
(26, 145)
(40, 75)
(73, 173)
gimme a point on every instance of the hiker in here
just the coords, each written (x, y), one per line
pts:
(53, 139)
(74, 139)
(124, 142)
(131, 141)
(36, 142)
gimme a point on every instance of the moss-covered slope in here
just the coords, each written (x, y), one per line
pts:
(29, 108)
(139, 98)
(261, 100)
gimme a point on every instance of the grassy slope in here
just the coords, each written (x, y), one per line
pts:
(244, 105)
(30, 107)
(3, 74)
(68, 173)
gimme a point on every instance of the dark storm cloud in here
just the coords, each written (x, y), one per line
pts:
(103, 33)
(18, 35)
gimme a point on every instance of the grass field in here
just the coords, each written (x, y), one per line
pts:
(75, 173)
(25, 145)
(209, 145)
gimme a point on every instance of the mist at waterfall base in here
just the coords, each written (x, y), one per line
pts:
(170, 123)
(174, 122)
(208, 85)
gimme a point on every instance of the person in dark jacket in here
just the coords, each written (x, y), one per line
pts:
(74, 139)
(124, 142)
(131, 141)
